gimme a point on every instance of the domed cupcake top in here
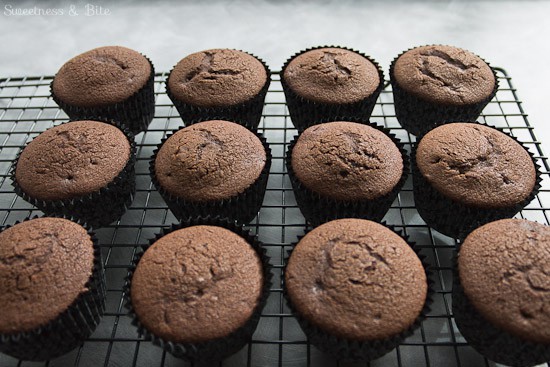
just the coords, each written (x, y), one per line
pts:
(101, 76)
(332, 75)
(444, 74)
(72, 159)
(210, 160)
(347, 161)
(197, 284)
(218, 77)
(45, 264)
(356, 279)
(504, 268)
(476, 165)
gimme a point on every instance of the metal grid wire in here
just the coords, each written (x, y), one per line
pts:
(26, 109)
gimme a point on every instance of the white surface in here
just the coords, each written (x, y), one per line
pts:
(509, 34)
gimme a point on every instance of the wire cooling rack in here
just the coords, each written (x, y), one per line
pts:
(26, 110)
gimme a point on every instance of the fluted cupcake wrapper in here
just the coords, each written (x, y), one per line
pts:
(136, 112)
(419, 116)
(96, 209)
(494, 343)
(248, 113)
(355, 350)
(318, 209)
(454, 219)
(242, 207)
(305, 113)
(216, 349)
(69, 329)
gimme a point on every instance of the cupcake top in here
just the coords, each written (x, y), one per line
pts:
(210, 160)
(504, 268)
(73, 159)
(444, 74)
(219, 77)
(36, 282)
(347, 161)
(476, 165)
(356, 279)
(196, 284)
(101, 76)
(332, 75)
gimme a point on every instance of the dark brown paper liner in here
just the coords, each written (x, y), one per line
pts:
(71, 327)
(318, 209)
(242, 207)
(494, 343)
(248, 113)
(96, 209)
(354, 350)
(419, 116)
(305, 113)
(452, 218)
(216, 349)
(136, 112)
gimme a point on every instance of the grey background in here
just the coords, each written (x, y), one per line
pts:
(509, 34)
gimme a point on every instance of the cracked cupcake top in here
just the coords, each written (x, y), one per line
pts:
(73, 159)
(215, 78)
(102, 76)
(347, 161)
(476, 165)
(196, 284)
(504, 268)
(356, 279)
(444, 74)
(45, 264)
(332, 75)
(210, 160)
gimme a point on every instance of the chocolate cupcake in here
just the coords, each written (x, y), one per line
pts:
(199, 288)
(345, 169)
(502, 291)
(83, 169)
(433, 85)
(219, 84)
(48, 307)
(323, 83)
(112, 82)
(467, 174)
(357, 288)
(212, 168)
